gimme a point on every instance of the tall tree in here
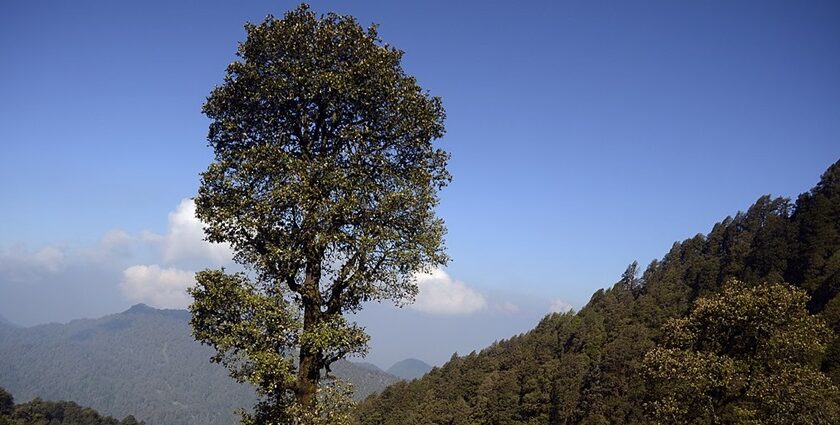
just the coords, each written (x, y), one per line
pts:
(745, 355)
(324, 183)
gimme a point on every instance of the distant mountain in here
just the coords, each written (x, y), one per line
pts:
(409, 369)
(6, 322)
(365, 379)
(368, 366)
(142, 362)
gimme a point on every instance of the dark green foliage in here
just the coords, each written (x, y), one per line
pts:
(745, 355)
(142, 362)
(324, 182)
(816, 263)
(7, 402)
(40, 412)
(587, 367)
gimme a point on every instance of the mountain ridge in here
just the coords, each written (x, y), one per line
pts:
(7, 322)
(409, 369)
(586, 367)
(142, 361)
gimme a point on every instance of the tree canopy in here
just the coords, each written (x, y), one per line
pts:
(324, 183)
(745, 355)
(40, 412)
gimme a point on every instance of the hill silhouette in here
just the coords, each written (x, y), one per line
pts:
(142, 362)
(409, 369)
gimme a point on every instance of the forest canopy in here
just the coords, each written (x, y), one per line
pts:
(40, 412)
(591, 367)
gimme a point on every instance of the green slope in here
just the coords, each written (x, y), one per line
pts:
(585, 367)
(142, 362)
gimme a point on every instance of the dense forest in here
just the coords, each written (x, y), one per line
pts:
(675, 331)
(40, 412)
(142, 362)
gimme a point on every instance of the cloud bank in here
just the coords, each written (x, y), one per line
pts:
(440, 294)
(60, 282)
(160, 287)
(184, 239)
(560, 306)
(157, 268)
(164, 282)
(19, 264)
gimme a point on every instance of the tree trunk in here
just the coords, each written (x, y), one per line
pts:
(309, 367)
(310, 361)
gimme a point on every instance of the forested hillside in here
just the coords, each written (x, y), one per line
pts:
(588, 367)
(142, 362)
(40, 412)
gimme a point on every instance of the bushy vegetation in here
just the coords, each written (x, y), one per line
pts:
(40, 412)
(744, 355)
(590, 367)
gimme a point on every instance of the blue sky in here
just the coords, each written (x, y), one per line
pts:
(584, 135)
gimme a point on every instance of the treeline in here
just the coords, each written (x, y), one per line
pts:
(591, 368)
(40, 412)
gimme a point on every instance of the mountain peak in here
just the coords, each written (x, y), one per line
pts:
(140, 308)
(409, 369)
(146, 310)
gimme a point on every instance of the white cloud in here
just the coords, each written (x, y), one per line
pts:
(49, 258)
(560, 306)
(114, 242)
(18, 264)
(159, 287)
(114, 239)
(184, 239)
(151, 237)
(182, 245)
(440, 294)
(508, 308)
